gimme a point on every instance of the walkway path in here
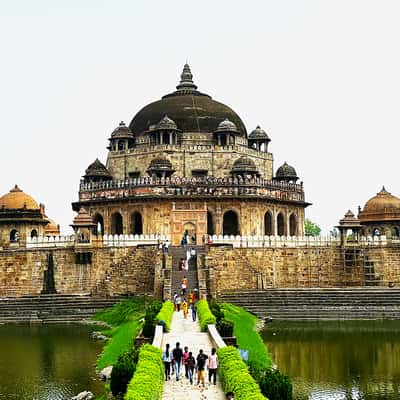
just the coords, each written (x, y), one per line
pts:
(187, 333)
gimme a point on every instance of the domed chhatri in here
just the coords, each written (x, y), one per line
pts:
(286, 173)
(97, 172)
(21, 217)
(381, 215)
(16, 199)
(189, 166)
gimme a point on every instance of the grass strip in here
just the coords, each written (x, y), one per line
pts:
(247, 337)
(166, 313)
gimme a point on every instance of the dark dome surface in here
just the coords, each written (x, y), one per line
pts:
(191, 110)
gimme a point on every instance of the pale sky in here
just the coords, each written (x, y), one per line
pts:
(321, 77)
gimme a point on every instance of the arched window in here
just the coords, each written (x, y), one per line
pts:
(136, 223)
(293, 225)
(395, 232)
(34, 233)
(268, 224)
(210, 223)
(230, 225)
(165, 138)
(376, 232)
(121, 145)
(99, 221)
(14, 236)
(117, 226)
(281, 224)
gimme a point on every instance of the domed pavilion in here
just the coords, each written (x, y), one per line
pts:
(381, 215)
(22, 217)
(186, 163)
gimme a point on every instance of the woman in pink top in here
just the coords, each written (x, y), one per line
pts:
(212, 366)
(185, 361)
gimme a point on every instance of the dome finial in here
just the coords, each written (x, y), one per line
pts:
(186, 79)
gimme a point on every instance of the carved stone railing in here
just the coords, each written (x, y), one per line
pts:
(193, 186)
(292, 241)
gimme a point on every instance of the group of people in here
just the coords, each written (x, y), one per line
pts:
(185, 357)
(181, 304)
(188, 238)
(164, 246)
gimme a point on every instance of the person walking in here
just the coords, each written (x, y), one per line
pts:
(166, 357)
(194, 311)
(201, 365)
(212, 366)
(191, 298)
(177, 356)
(185, 357)
(191, 362)
(184, 284)
(184, 308)
(178, 302)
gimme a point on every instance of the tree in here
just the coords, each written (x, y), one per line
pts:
(311, 228)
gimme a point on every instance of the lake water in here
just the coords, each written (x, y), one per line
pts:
(338, 360)
(47, 362)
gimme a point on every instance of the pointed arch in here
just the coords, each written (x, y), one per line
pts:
(99, 221)
(268, 225)
(280, 222)
(230, 225)
(117, 224)
(136, 223)
(293, 225)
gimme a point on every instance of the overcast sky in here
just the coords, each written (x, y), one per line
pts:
(321, 77)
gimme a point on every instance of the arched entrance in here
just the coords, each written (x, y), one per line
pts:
(376, 232)
(14, 236)
(395, 232)
(136, 223)
(230, 225)
(189, 233)
(210, 223)
(293, 225)
(117, 226)
(268, 224)
(281, 224)
(99, 221)
(34, 233)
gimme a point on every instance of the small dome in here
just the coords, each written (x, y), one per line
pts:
(382, 207)
(259, 133)
(97, 170)
(52, 229)
(350, 220)
(286, 173)
(244, 164)
(226, 126)
(16, 199)
(165, 124)
(160, 164)
(122, 132)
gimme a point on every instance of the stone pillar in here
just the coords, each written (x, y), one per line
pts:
(287, 223)
(274, 222)
(218, 219)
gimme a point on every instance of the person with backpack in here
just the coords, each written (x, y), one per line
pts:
(191, 363)
(185, 357)
(177, 359)
(201, 365)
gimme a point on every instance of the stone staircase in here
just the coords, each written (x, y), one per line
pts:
(52, 308)
(178, 252)
(319, 304)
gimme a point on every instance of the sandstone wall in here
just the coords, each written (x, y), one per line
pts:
(112, 271)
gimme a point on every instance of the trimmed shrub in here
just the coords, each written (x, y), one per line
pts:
(225, 327)
(204, 314)
(276, 386)
(166, 313)
(122, 371)
(150, 319)
(235, 376)
(217, 311)
(148, 379)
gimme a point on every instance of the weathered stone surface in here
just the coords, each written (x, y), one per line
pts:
(105, 373)
(98, 336)
(86, 395)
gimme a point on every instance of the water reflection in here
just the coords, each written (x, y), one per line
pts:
(338, 360)
(47, 362)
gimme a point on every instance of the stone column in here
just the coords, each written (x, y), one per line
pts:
(274, 222)
(218, 219)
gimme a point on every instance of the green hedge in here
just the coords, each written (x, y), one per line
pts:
(235, 376)
(147, 382)
(166, 313)
(205, 315)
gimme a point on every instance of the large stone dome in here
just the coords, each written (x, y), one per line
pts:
(191, 110)
(382, 207)
(16, 199)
